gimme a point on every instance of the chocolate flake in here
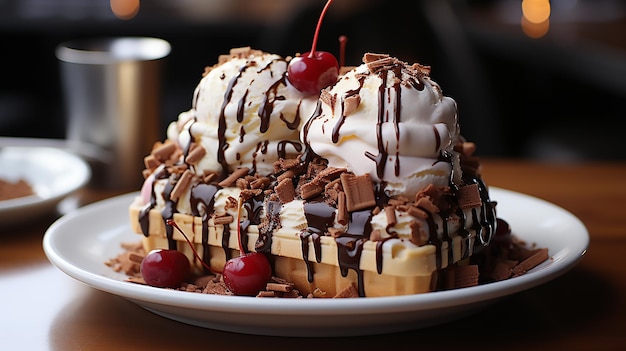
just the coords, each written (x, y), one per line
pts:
(285, 190)
(182, 184)
(232, 178)
(468, 196)
(359, 191)
(465, 276)
(195, 155)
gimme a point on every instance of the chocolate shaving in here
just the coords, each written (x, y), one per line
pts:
(163, 151)
(232, 178)
(390, 213)
(286, 164)
(285, 190)
(502, 270)
(531, 262)
(417, 212)
(260, 183)
(182, 184)
(328, 98)
(329, 174)
(216, 287)
(310, 190)
(281, 287)
(350, 104)
(465, 276)
(195, 155)
(150, 162)
(342, 210)
(468, 196)
(223, 219)
(247, 194)
(427, 204)
(359, 191)
(419, 236)
(349, 291)
(288, 174)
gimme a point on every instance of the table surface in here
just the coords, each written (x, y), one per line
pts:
(42, 308)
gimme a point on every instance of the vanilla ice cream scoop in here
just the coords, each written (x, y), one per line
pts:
(388, 119)
(245, 114)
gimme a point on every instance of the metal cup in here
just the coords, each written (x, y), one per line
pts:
(112, 89)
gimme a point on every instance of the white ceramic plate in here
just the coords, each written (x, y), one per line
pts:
(80, 242)
(52, 173)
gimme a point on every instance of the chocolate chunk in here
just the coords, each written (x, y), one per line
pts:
(310, 190)
(342, 210)
(417, 213)
(390, 213)
(350, 104)
(232, 178)
(427, 204)
(349, 291)
(150, 162)
(328, 98)
(419, 236)
(181, 184)
(469, 196)
(163, 151)
(465, 276)
(285, 190)
(195, 155)
(223, 219)
(359, 191)
(531, 262)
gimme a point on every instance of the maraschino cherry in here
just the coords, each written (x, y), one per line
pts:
(314, 70)
(165, 268)
(248, 273)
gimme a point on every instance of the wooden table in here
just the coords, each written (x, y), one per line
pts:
(42, 308)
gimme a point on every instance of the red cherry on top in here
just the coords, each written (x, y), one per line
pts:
(314, 70)
(248, 274)
(165, 268)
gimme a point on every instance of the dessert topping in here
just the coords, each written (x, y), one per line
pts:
(314, 70)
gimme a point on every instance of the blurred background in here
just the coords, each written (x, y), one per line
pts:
(533, 78)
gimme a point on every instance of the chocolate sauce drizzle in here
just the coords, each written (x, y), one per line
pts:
(264, 242)
(167, 212)
(253, 208)
(265, 111)
(202, 205)
(319, 216)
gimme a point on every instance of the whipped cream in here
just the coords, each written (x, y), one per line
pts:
(388, 119)
(244, 113)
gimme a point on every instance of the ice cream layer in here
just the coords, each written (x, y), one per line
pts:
(388, 119)
(245, 113)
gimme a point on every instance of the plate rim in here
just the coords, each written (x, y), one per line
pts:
(314, 307)
(24, 202)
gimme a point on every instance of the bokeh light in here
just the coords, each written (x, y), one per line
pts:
(535, 21)
(536, 11)
(125, 9)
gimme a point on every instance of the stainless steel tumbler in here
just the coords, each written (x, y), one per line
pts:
(112, 90)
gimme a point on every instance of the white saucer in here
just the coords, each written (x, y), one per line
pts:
(80, 242)
(52, 173)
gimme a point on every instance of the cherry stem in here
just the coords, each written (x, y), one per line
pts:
(239, 243)
(317, 29)
(342, 50)
(171, 222)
